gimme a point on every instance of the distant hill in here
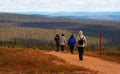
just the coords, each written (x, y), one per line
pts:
(108, 16)
(109, 29)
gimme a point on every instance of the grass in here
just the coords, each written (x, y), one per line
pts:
(29, 61)
(110, 55)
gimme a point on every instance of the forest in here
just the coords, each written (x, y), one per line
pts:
(33, 31)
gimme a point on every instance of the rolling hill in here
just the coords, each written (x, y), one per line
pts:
(33, 23)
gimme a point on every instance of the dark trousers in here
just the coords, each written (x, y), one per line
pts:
(71, 49)
(81, 52)
(57, 47)
(62, 48)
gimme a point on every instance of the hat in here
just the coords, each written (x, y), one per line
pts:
(80, 32)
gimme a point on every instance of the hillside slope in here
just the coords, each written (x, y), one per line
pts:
(109, 29)
(30, 61)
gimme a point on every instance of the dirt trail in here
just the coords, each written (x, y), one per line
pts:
(93, 63)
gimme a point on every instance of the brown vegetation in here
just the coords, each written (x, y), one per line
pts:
(29, 61)
(92, 28)
(110, 55)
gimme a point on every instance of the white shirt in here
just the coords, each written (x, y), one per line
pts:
(63, 40)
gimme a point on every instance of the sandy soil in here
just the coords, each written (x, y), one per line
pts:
(93, 63)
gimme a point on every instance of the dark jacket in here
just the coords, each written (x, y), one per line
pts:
(57, 38)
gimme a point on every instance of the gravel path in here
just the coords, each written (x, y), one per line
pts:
(93, 63)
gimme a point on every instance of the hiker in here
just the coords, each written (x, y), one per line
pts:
(57, 38)
(81, 44)
(63, 42)
(71, 43)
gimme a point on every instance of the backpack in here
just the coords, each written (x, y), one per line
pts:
(81, 41)
(71, 41)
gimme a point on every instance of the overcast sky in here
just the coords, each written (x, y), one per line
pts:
(59, 5)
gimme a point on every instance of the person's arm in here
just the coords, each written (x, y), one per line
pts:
(85, 41)
(77, 41)
(65, 42)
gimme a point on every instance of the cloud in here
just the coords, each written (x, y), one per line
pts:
(58, 5)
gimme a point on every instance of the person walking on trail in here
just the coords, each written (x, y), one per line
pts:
(81, 44)
(57, 38)
(71, 43)
(63, 42)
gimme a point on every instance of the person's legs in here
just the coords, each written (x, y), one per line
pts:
(81, 52)
(57, 47)
(62, 48)
(71, 49)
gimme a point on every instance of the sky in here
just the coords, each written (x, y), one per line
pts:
(59, 5)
